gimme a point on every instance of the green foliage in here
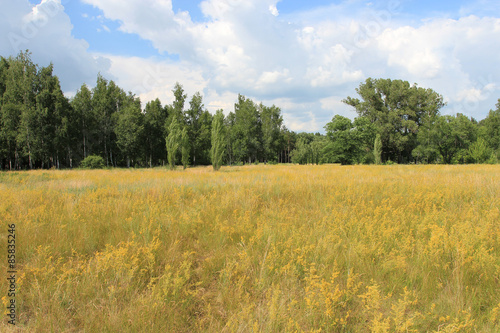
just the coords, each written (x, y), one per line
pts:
(377, 150)
(479, 151)
(85, 122)
(461, 157)
(180, 99)
(445, 139)
(349, 143)
(490, 128)
(155, 117)
(173, 142)
(246, 130)
(129, 129)
(36, 118)
(288, 144)
(397, 110)
(92, 162)
(493, 158)
(194, 125)
(272, 123)
(309, 149)
(185, 148)
(204, 143)
(218, 140)
(229, 122)
(19, 110)
(40, 128)
(302, 152)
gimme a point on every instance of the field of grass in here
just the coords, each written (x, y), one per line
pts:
(255, 248)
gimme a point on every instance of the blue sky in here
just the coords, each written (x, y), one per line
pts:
(303, 56)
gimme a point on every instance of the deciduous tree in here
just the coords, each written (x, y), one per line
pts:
(397, 109)
(185, 147)
(218, 140)
(129, 129)
(272, 123)
(377, 150)
(155, 117)
(173, 142)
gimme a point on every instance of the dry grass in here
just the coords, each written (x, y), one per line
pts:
(256, 248)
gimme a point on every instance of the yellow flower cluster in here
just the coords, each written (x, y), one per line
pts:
(256, 248)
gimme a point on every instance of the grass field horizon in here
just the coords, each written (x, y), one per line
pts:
(262, 248)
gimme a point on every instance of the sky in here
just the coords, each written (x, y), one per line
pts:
(302, 56)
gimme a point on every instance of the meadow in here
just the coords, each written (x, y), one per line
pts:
(258, 248)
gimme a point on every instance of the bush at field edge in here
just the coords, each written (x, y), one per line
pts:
(92, 162)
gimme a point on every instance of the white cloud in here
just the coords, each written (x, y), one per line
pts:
(268, 78)
(240, 45)
(303, 122)
(470, 95)
(152, 78)
(152, 20)
(274, 10)
(105, 28)
(215, 101)
(414, 49)
(454, 57)
(336, 106)
(45, 29)
(243, 47)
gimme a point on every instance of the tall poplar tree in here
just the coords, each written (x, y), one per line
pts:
(218, 140)
(272, 123)
(193, 122)
(102, 109)
(185, 148)
(20, 103)
(247, 131)
(204, 138)
(173, 142)
(377, 150)
(177, 108)
(82, 106)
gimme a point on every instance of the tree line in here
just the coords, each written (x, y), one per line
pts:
(401, 123)
(41, 128)
(398, 122)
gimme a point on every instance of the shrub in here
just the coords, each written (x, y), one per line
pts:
(479, 151)
(493, 159)
(92, 162)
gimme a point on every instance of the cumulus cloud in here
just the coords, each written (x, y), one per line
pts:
(454, 57)
(45, 29)
(274, 10)
(245, 46)
(335, 105)
(153, 78)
